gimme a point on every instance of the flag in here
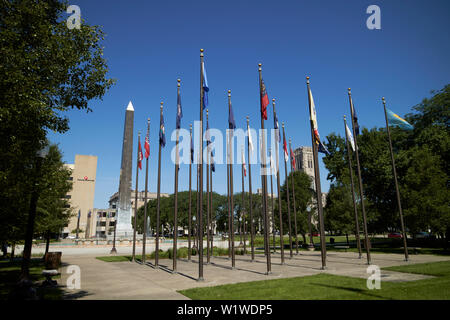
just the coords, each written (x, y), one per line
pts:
(355, 119)
(231, 123)
(350, 137)
(243, 163)
(147, 147)
(205, 87)
(292, 159)
(140, 157)
(213, 165)
(192, 150)
(313, 117)
(89, 214)
(272, 168)
(286, 155)
(250, 142)
(276, 127)
(207, 135)
(179, 112)
(79, 214)
(397, 121)
(323, 149)
(264, 100)
(162, 133)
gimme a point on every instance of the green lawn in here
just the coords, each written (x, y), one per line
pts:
(325, 287)
(10, 272)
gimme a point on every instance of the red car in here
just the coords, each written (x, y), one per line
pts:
(395, 235)
(316, 234)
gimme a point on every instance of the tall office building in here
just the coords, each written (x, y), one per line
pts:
(81, 197)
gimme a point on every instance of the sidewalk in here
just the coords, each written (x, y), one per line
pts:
(131, 280)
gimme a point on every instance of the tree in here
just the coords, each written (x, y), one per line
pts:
(45, 70)
(53, 214)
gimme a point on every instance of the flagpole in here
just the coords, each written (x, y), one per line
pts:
(175, 216)
(228, 199)
(133, 256)
(318, 187)
(200, 207)
(287, 197)
(278, 186)
(145, 199)
(190, 199)
(243, 190)
(271, 196)
(361, 190)
(158, 199)
(293, 198)
(264, 182)
(355, 210)
(252, 240)
(211, 207)
(405, 245)
(208, 259)
(233, 260)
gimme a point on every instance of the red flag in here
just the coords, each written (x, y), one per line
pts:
(140, 156)
(264, 100)
(147, 147)
(286, 157)
(293, 160)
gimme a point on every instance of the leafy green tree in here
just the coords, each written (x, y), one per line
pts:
(45, 70)
(53, 212)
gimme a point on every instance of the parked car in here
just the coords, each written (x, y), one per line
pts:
(422, 235)
(316, 234)
(395, 235)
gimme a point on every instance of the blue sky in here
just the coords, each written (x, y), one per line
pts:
(149, 44)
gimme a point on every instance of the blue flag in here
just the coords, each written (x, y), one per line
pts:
(205, 88)
(213, 165)
(275, 125)
(192, 150)
(208, 137)
(162, 133)
(396, 121)
(231, 123)
(179, 112)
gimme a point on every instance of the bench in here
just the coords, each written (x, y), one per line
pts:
(342, 247)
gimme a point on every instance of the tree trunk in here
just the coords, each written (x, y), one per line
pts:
(47, 244)
(13, 249)
(348, 243)
(304, 238)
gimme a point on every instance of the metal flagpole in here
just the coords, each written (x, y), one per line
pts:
(228, 200)
(318, 187)
(175, 216)
(358, 241)
(271, 197)
(361, 190)
(293, 199)
(200, 207)
(288, 198)
(278, 186)
(252, 240)
(264, 182)
(158, 200)
(211, 207)
(145, 199)
(190, 198)
(230, 164)
(208, 259)
(405, 245)
(133, 256)
(243, 203)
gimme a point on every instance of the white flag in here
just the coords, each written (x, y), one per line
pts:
(250, 142)
(350, 137)
(273, 171)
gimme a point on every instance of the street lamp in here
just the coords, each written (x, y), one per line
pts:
(240, 230)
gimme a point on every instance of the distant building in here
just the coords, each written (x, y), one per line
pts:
(81, 197)
(105, 219)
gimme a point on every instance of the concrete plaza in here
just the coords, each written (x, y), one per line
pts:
(132, 280)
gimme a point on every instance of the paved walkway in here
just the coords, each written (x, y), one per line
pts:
(128, 280)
